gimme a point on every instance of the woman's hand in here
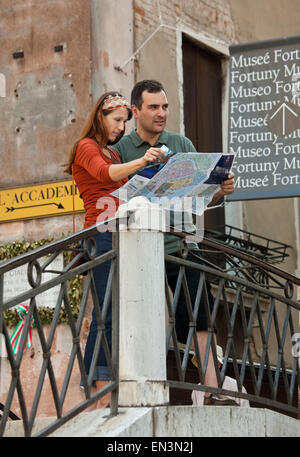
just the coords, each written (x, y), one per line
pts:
(122, 170)
(152, 155)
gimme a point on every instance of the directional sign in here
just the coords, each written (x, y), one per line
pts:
(264, 118)
(41, 200)
(284, 119)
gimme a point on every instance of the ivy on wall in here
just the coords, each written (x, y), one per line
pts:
(15, 248)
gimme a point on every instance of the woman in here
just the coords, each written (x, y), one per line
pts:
(97, 171)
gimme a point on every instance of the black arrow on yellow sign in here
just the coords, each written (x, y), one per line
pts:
(59, 206)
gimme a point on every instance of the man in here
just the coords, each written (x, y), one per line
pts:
(150, 108)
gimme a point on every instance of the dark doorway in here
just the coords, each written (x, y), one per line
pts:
(202, 90)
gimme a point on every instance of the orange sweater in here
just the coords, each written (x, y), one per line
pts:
(90, 171)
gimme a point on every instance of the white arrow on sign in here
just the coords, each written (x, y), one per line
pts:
(283, 107)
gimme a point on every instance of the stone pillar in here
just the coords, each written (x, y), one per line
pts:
(142, 352)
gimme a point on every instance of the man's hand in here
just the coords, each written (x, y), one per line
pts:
(227, 187)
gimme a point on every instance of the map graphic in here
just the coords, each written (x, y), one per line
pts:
(185, 174)
(179, 177)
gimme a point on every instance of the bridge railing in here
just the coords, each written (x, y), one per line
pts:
(38, 264)
(254, 311)
(256, 314)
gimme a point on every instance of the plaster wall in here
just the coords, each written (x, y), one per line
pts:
(47, 99)
(49, 94)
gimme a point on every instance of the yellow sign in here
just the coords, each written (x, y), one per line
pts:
(40, 200)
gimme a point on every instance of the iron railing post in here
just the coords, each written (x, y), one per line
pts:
(115, 328)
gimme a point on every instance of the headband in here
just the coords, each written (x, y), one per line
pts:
(113, 102)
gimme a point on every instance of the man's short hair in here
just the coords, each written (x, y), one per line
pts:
(149, 85)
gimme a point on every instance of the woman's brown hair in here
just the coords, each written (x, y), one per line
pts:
(94, 128)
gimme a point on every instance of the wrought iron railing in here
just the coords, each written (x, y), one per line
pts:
(254, 296)
(265, 314)
(266, 249)
(82, 245)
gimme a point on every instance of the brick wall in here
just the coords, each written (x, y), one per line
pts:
(160, 56)
(200, 16)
